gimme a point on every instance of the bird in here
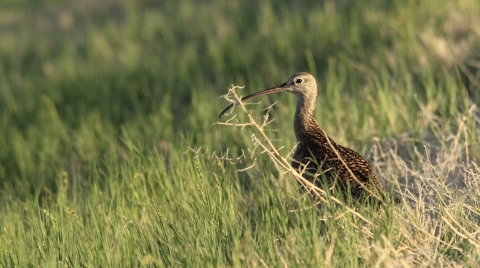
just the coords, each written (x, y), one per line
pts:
(318, 157)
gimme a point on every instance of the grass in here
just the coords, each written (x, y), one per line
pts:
(100, 103)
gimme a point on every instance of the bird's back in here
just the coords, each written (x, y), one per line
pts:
(328, 162)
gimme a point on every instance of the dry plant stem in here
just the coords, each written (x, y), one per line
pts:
(464, 234)
(238, 159)
(427, 234)
(330, 250)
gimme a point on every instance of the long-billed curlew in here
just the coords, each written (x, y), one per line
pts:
(322, 160)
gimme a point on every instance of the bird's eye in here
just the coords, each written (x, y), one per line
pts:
(298, 81)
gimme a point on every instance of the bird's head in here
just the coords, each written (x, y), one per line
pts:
(300, 84)
(303, 84)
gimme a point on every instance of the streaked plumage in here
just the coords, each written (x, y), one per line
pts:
(318, 152)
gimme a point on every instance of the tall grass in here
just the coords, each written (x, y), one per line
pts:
(100, 101)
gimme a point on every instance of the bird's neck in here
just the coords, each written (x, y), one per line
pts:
(305, 125)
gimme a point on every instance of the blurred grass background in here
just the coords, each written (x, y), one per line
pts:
(99, 100)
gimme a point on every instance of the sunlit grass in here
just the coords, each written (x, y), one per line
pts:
(100, 101)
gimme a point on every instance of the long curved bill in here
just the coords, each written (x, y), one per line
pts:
(280, 88)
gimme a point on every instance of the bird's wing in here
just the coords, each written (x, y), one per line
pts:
(357, 164)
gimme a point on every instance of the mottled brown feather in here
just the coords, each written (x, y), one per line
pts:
(319, 157)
